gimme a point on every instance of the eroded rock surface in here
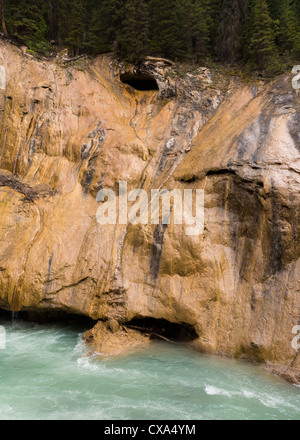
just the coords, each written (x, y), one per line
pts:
(68, 131)
(110, 339)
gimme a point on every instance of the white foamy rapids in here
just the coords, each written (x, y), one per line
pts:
(214, 391)
(50, 368)
(86, 364)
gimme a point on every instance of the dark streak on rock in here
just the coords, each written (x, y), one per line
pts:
(253, 301)
(49, 267)
(30, 193)
(294, 128)
(276, 249)
(221, 172)
(157, 248)
(166, 157)
(264, 123)
(88, 177)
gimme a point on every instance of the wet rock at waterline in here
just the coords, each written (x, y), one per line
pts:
(111, 339)
(68, 131)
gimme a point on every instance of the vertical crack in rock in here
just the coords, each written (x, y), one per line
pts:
(133, 126)
(276, 249)
(264, 124)
(157, 248)
(49, 267)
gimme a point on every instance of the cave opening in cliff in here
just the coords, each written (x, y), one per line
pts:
(50, 316)
(161, 329)
(140, 81)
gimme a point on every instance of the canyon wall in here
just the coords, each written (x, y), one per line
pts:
(69, 129)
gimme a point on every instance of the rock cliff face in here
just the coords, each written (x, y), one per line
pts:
(68, 130)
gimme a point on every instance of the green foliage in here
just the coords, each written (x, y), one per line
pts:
(261, 50)
(288, 29)
(133, 40)
(27, 23)
(76, 33)
(275, 8)
(197, 20)
(166, 37)
(258, 33)
(104, 25)
(229, 35)
(64, 8)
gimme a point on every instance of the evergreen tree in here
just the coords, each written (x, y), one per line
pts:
(261, 50)
(191, 30)
(275, 8)
(196, 22)
(105, 25)
(134, 36)
(166, 38)
(215, 7)
(297, 7)
(229, 38)
(27, 23)
(64, 8)
(53, 20)
(288, 31)
(201, 24)
(75, 38)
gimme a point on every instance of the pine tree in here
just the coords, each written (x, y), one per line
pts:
(275, 8)
(261, 50)
(195, 19)
(288, 31)
(75, 38)
(53, 20)
(166, 38)
(105, 25)
(191, 30)
(215, 6)
(64, 8)
(201, 25)
(229, 38)
(27, 23)
(134, 36)
(297, 7)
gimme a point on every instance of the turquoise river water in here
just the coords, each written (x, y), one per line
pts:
(46, 374)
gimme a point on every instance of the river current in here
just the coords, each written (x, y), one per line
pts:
(46, 373)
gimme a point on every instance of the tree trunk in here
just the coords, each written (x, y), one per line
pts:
(3, 19)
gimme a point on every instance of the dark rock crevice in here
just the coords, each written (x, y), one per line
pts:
(140, 81)
(157, 248)
(160, 329)
(31, 193)
(48, 316)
